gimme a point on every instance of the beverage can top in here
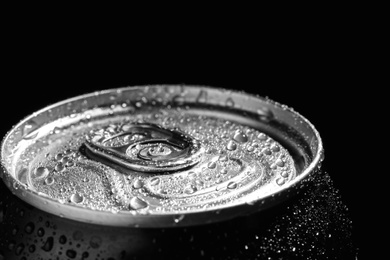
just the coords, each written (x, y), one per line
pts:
(160, 156)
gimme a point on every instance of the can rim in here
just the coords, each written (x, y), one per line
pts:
(234, 209)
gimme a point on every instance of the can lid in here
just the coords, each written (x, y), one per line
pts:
(160, 156)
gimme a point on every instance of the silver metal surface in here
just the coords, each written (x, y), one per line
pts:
(146, 157)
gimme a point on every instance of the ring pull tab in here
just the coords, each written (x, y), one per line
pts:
(143, 147)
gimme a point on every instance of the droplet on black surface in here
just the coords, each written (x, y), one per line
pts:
(48, 244)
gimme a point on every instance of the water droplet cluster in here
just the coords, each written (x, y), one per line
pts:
(231, 162)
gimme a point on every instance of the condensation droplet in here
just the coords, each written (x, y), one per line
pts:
(31, 248)
(223, 158)
(59, 167)
(58, 156)
(41, 172)
(190, 190)
(275, 148)
(266, 151)
(178, 218)
(202, 97)
(62, 239)
(40, 232)
(229, 102)
(138, 184)
(279, 163)
(137, 203)
(76, 198)
(71, 253)
(29, 130)
(19, 249)
(211, 165)
(284, 174)
(49, 180)
(155, 181)
(22, 175)
(48, 244)
(265, 113)
(29, 228)
(232, 185)
(280, 181)
(231, 146)
(240, 137)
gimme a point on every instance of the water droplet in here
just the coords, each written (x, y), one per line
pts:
(280, 181)
(29, 228)
(154, 181)
(202, 97)
(85, 179)
(223, 158)
(62, 239)
(29, 130)
(262, 137)
(224, 171)
(231, 146)
(265, 113)
(178, 218)
(14, 231)
(199, 182)
(68, 151)
(22, 175)
(59, 167)
(65, 159)
(138, 183)
(58, 156)
(31, 248)
(49, 180)
(48, 244)
(229, 102)
(11, 245)
(137, 203)
(279, 163)
(19, 249)
(69, 163)
(76, 198)
(191, 174)
(275, 148)
(41, 172)
(71, 253)
(232, 185)
(40, 232)
(211, 165)
(240, 137)
(190, 190)
(84, 255)
(284, 174)
(266, 151)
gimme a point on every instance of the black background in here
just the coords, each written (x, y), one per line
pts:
(321, 77)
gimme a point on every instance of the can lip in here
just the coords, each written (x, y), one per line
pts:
(201, 216)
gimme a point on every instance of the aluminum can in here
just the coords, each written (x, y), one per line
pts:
(169, 172)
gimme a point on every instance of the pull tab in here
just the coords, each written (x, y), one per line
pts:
(143, 147)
